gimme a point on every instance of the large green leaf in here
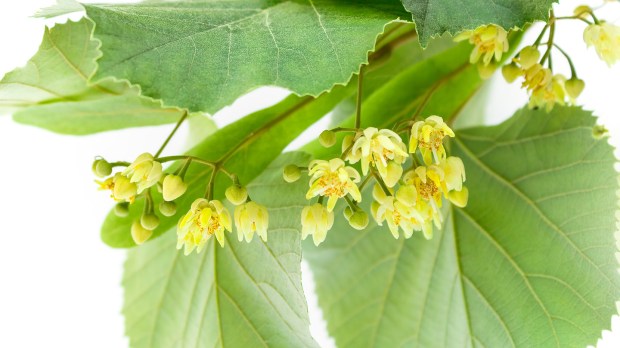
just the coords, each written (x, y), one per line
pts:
(242, 295)
(204, 54)
(52, 91)
(435, 17)
(528, 263)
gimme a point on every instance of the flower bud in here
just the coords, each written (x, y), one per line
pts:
(486, 71)
(347, 212)
(582, 11)
(167, 208)
(529, 56)
(347, 142)
(236, 194)
(359, 220)
(123, 188)
(102, 168)
(139, 233)
(121, 209)
(173, 187)
(291, 173)
(327, 138)
(599, 131)
(511, 72)
(574, 87)
(149, 221)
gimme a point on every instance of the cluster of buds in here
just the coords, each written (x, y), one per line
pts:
(490, 43)
(206, 218)
(546, 88)
(406, 199)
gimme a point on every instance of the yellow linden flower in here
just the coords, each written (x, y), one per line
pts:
(553, 93)
(383, 149)
(205, 219)
(251, 217)
(316, 220)
(144, 171)
(122, 189)
(537, 77)
(605, 38)
(428, 136)
(334, 180)
(430, 184)
(397, 210)
(489, 41)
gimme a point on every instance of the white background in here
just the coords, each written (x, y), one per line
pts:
(59, 284)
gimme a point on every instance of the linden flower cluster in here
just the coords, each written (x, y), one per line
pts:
(206, 218)
(408, 200)
(546, 88)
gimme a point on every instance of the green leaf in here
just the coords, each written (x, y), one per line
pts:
(245, 148)
(528, 263)
(435, 17)
(242, 295)
(196, 54)
(52, 91)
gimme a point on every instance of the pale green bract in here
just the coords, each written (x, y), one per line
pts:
(53, 90)
(434, 17)
(202, 55)
(528, 263)
(243, 295)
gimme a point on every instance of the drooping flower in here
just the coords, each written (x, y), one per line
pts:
(144, 171)
(605, 38)
(537, 77)
(334, 180)
(121, 188)
(316, 220)
(430, 184)
(553, 93)
(428, 135)
(490, 41)
(382, 149)
(251, 217)
(204, 220)
(397, 210)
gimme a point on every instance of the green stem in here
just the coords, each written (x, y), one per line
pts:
(176, 127)
(350, 203)
(550, 40)
(119, 164)
(344, 129)
(540, 36)
(364, 182)
(358, 104)
(183, 157)
(379, 180)
(573, 71)
(210, 185)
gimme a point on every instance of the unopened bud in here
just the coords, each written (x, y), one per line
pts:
(139, 233)
(291, 173)
(511, 72)
(327, 138)
(528, 56)
(102, 168)
(599, 131)
(167, 208)
(121, 209)
(359, 220)
(173, 187)
(582, 11)
(574, 87)
(486, 71)
(236, 194)
(459, 198)
(347, 212)
(149, 221)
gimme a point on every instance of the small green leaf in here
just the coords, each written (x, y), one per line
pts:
(196, 54)
(62, 7)
(53, 91)
(242, 295)
(530, 262)
(435, 17)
